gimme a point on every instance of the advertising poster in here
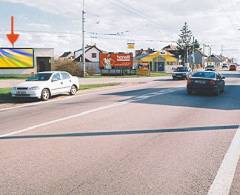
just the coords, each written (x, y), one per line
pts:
(16, 58)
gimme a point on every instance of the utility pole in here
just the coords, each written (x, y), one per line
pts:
(222, 50)
(193, 52)
(83, 39)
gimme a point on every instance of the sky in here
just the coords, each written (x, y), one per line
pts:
(111, 24)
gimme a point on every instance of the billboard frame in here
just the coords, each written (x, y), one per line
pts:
(114, 66)
(20, 68)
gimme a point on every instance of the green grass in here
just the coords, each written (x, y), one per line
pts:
(93, 86)
(5, 93)
(153, 74)
(159, 74)
(11, 78)
(106, 76)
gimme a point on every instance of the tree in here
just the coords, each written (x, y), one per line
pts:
(184, 43)
(196, 44)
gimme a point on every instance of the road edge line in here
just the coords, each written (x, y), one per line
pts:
(225, 175)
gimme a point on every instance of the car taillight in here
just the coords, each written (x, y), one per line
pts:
(212, 82)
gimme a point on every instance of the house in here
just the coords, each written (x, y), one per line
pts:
(91, 57)
(198, 58)
(172, 49)
(214, 60)
(160, 61)
(225, 59)
(143, 52)
(67, 56)
(91, 54)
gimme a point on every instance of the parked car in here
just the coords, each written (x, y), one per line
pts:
(210, 68)
(181, 73)
(232, 67)
(43, 85)
(206, 81)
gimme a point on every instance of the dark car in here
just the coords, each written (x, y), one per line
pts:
(206, 82)
(181, 73)
(233, 67)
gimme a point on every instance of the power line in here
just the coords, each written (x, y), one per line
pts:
(134, 11)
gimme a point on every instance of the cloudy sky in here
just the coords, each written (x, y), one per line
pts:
(112, 23)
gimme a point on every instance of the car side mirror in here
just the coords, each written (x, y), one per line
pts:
(223, 77)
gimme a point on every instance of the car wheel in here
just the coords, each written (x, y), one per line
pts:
(45, 95)
(73, 90)
(189, 91)
(217, 92)
(222, 91)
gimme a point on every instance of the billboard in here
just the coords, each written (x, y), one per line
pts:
(16, 58)
(110, 61)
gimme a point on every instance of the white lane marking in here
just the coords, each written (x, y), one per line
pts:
(80, 114)
(224, 178)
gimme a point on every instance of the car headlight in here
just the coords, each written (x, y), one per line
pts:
(34, 88)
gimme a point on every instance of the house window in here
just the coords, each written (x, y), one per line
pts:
(94, 55)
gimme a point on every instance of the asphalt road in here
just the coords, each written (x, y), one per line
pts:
(140, 139)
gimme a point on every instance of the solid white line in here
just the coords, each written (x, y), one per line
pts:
(223, 181)
(77, 115)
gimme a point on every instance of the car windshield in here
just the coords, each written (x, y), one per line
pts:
(40, 77)
(209, 75)
(181, 69)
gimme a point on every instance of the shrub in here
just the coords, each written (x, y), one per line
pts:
(69, 66)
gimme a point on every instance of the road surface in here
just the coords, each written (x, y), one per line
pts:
(141, 139)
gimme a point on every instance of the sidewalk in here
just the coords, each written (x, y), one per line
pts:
(13, 82)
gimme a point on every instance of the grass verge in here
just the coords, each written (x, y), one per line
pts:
(159, 74)
(153, 74)
(14, 78)
(93, 86)
(5, 93)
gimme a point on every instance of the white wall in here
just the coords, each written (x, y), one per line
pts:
(89, 55)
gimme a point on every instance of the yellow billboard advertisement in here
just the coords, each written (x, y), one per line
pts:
(16, 58)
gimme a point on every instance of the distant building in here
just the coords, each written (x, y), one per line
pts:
(160, 61)
(214, 60)
(143, 52)
(172, 49)
(198, 58)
